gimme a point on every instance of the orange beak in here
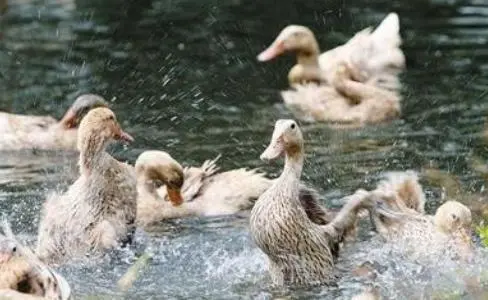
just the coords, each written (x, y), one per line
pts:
(273, 51)
(69, 119)
(174, 196)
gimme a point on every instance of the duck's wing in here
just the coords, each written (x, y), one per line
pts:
(54, 285)
(194, 179)
(402, 192)
(309, 199)
(374, 56)
(196, 176)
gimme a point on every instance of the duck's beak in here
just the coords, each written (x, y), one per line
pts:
(272, 51)
(174, 195)
(275, 149)
(124, 136)
(69, 119)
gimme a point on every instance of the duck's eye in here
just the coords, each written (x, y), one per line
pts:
(14, 249)
(453, 216)
(292, 126)
(111, 118)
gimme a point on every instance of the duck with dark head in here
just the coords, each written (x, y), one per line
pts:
(45, 132)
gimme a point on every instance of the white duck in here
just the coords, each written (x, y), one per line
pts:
(353, 84)
(99, 210)
(374, 57)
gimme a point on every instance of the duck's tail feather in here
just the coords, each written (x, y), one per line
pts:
(210, 166)
(388, 32)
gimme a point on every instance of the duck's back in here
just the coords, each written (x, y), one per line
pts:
(376, 54)
(34, 132)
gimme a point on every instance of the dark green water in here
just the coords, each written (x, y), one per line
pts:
(182, 76)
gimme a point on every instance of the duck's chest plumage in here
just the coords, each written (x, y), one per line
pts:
(298, 249)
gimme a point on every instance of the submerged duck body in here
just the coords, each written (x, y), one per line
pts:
(367, 92)
(44, 132)
(99, 210)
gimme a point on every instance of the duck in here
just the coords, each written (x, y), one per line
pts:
(374, 57)
(45, 132)
(24, 276)
(299, 251)
(98, 210)
(449, 229)
(331, 87)
(166, 190)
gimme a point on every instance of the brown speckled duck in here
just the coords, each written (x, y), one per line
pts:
(167, 190)
(99, 210)
(365, 69)
(45, 132)
(299, 250)
(24, 276)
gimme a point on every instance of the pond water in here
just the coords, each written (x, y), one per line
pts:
(182, 76)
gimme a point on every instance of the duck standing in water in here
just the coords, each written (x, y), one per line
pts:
(300, 251)
(355, 83)
(167, 190)
(24, 276)
(99, 210)
(45, 132)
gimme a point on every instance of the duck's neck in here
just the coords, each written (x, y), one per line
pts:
(309, 56)
(92, 149)
(293, 164)
(149, 187)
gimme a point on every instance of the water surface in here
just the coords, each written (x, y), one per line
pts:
(182, 76)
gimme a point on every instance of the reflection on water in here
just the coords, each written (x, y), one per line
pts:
(182, 76)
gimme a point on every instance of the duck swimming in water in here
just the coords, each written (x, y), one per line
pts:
(333, 86)
(419, 234)
(24, 276)
(300, 251)
(166, 190)
(99, 210)
(45, 132)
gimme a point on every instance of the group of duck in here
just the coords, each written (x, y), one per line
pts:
(355, 83)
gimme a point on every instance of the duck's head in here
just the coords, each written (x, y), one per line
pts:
(287, 139)
(82, 105)
(293, 38)
(99, 127)
(8, 249)
(453, 217)
(157, 168)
